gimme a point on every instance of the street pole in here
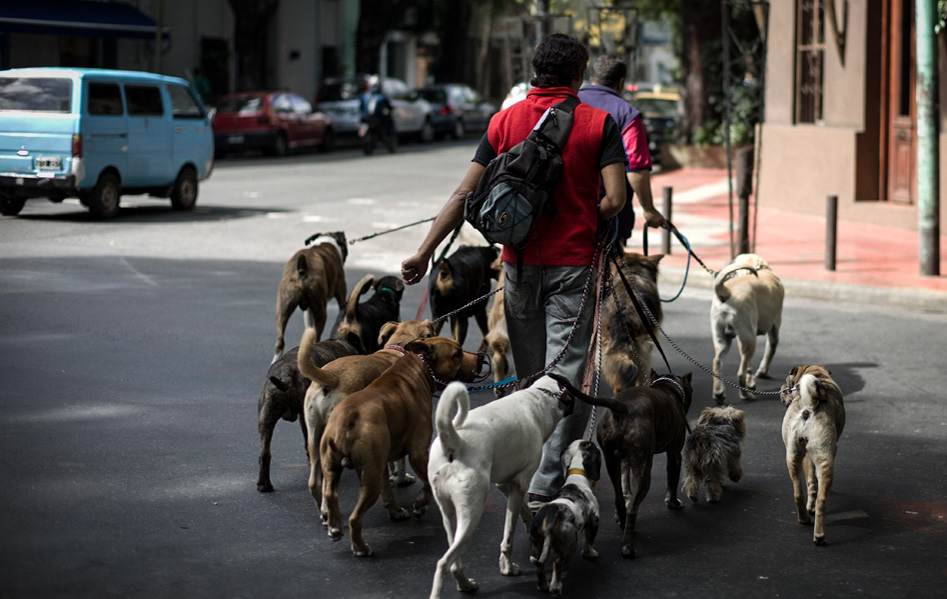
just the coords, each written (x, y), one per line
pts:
(928, 151)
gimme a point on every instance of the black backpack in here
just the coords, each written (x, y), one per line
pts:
(517, 187)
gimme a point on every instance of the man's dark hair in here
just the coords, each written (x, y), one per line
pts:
(558, 60)
(608, 70)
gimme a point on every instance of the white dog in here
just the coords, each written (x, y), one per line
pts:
(748, 301)
(814, 420)
(499, 443)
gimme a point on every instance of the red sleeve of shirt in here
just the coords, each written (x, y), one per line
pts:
(636, 146)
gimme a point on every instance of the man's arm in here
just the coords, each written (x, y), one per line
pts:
(640, 182)
(451, 215)
(614, 200)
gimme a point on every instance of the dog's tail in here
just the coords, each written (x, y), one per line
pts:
(360, 289)
(308, 367)
(814, 392)
(720, 290)
(455, 393)
(606, 402)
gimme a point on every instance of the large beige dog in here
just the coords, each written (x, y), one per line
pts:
(389, 419)
(311, 278)
(748, 301)
(340, 378)
(498, 337)
(812, 426)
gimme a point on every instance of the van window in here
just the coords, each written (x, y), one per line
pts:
(183, 104)
(143, 100)
(39, 94)
(105, 99)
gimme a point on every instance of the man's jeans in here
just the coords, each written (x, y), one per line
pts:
(542, 307)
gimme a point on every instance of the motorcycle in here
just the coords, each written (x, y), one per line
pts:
(371, 132)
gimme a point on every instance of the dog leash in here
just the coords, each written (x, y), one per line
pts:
(427, 290)
(373, 235)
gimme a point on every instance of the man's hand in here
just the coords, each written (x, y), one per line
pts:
(413, 269)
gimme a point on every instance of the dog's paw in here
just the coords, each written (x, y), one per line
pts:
(507, 567)
(402, 479)
(674, 504)
(469, 585)
(419, 510)
(365, 551)
(264, 487)
(590, 553)
(720, 398)
(335, 534)
(628, 552)
(399, 514)
(819, 540)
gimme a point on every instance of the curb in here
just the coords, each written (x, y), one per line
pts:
(924, 300)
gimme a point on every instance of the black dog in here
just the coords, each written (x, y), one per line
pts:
(458, 280)
(284, 393)
(365, 319)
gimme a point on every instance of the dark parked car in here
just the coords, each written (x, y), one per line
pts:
(274, 122)
(458, 109)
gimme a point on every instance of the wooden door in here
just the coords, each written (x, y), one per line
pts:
(900, 113)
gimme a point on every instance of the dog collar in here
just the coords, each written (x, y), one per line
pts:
(680, 389)
(580, 471)
(388, 289)
(397, 348)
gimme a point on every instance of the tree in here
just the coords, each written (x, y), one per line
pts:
(251, 27)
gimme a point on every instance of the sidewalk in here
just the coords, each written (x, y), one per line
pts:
(874, 264)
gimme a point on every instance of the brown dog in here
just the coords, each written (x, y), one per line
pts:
(714, 451)
(812, 425)
(310, 278)
(388, 419)
(498, 337)
(339, 378)
(641, 422)
(626, 354)
(748, 301)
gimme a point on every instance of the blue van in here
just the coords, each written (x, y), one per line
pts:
(96, 134)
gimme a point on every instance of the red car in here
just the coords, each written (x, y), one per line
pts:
(274, 122)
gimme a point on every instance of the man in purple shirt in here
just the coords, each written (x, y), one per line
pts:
(608, 80)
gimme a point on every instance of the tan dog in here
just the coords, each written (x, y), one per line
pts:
(627, 346)
(498, 337)
(748, 301)
(812, 426)
(388, 419)
(310, 278)
(339, 378)
(713, 452)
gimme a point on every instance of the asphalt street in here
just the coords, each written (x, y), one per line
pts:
(132, 354)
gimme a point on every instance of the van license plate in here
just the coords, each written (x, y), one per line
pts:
(49, 163)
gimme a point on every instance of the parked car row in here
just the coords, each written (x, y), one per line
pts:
(279, 122)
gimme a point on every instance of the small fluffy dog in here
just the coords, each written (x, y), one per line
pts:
(366, 318)
(641, 422)
(626, 355)
(814, 420)
(311, 277)
(748, 301)
(558, 525)
(498, 337)
(387, 420)
(458, 280)
(713, 451)
(499, 443)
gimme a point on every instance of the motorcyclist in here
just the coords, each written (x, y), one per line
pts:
(375, 105)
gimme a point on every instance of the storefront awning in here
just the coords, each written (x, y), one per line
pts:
(76, 17)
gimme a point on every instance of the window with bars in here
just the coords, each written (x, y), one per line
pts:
(810, 53)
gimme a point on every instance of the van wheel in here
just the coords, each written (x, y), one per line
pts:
(458, 129)
(427, 132)
(11, 206)
(103, 200)
(184, 194)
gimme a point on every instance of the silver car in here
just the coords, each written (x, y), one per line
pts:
(341, 99)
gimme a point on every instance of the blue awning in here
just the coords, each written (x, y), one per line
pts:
(82, 18)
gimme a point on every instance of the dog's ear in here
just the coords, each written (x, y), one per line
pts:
(279, 384)
(655, 258)
(386, 331)
(425, 350)
(739, 421)
(687, 378)
(426, 329)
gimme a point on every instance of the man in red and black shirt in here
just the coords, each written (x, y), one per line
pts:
(543, 296)
(608, 80)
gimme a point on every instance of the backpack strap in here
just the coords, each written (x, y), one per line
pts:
(556, 123)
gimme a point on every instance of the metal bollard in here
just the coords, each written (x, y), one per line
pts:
(831, 231)
(666, 211)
